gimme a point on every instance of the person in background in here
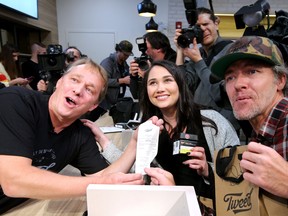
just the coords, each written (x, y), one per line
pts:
(256, 83)
(30, 68)
(72, 54)
(158, 48)
(197, 67)
(9, 74)
(167, 96)
(118, 77)
(41, 134)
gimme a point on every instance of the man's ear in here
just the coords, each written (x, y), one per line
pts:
(217, 21)
(59, 82)
(93, 107)
(281, 82)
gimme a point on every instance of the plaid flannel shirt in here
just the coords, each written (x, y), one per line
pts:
(274, 130)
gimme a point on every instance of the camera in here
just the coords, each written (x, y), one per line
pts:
(54, 49)
(188, 35)
(185, 143)
(51, 65)
(142, 61)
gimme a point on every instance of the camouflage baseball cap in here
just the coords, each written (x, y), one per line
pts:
(248, 47)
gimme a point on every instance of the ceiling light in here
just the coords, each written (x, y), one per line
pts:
(147, 8)
(151, 25)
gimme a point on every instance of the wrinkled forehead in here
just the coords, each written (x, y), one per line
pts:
(242, 63)
(86, 70)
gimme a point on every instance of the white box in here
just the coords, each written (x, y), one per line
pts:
(141, 200)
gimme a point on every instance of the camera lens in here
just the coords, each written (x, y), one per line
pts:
(183, 41)
(143, 65)
(52, 61)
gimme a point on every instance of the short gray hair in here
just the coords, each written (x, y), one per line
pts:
(279, 71)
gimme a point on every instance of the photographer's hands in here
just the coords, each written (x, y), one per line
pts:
(193, 53)
(133, 69)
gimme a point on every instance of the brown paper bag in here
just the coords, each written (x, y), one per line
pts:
(236, 196)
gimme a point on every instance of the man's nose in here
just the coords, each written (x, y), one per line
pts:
(78, 89)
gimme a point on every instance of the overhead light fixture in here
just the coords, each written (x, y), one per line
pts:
(151, 25)
(147, 8)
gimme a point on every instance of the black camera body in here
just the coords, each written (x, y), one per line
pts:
(185, 143)
(188, 35)
(142, 61)
(51, 66)
(54, 49)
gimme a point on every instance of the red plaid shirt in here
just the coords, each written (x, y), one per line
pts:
(275, 129)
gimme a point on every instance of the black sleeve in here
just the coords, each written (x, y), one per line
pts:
(17, 125)
(89, 159)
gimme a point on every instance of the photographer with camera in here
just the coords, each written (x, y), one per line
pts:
(72, 54)
(204, 32)
(53, 65)
(154, 46)
(118, 80)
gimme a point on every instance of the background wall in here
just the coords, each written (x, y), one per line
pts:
(45, 25)
(95, 26)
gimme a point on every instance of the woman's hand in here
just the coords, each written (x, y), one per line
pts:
(19, 81)
(160, 176)
(198, 161)
(100, 137)
(155, 120)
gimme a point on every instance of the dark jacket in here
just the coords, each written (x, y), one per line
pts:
(114, 72)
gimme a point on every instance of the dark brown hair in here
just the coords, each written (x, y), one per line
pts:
(6, 57)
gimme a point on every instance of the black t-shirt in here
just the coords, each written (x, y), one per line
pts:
(30, 68)
(26, 130)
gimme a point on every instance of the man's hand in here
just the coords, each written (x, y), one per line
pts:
(42, 85)
(193, 53)
(134, 67)
(124, 80)
(264, 167)
(119, 178)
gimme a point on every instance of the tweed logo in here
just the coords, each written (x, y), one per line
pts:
(237, 203)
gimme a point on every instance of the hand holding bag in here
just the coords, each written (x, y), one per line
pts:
(236, 196)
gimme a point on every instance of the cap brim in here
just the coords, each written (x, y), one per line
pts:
(220, 66)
